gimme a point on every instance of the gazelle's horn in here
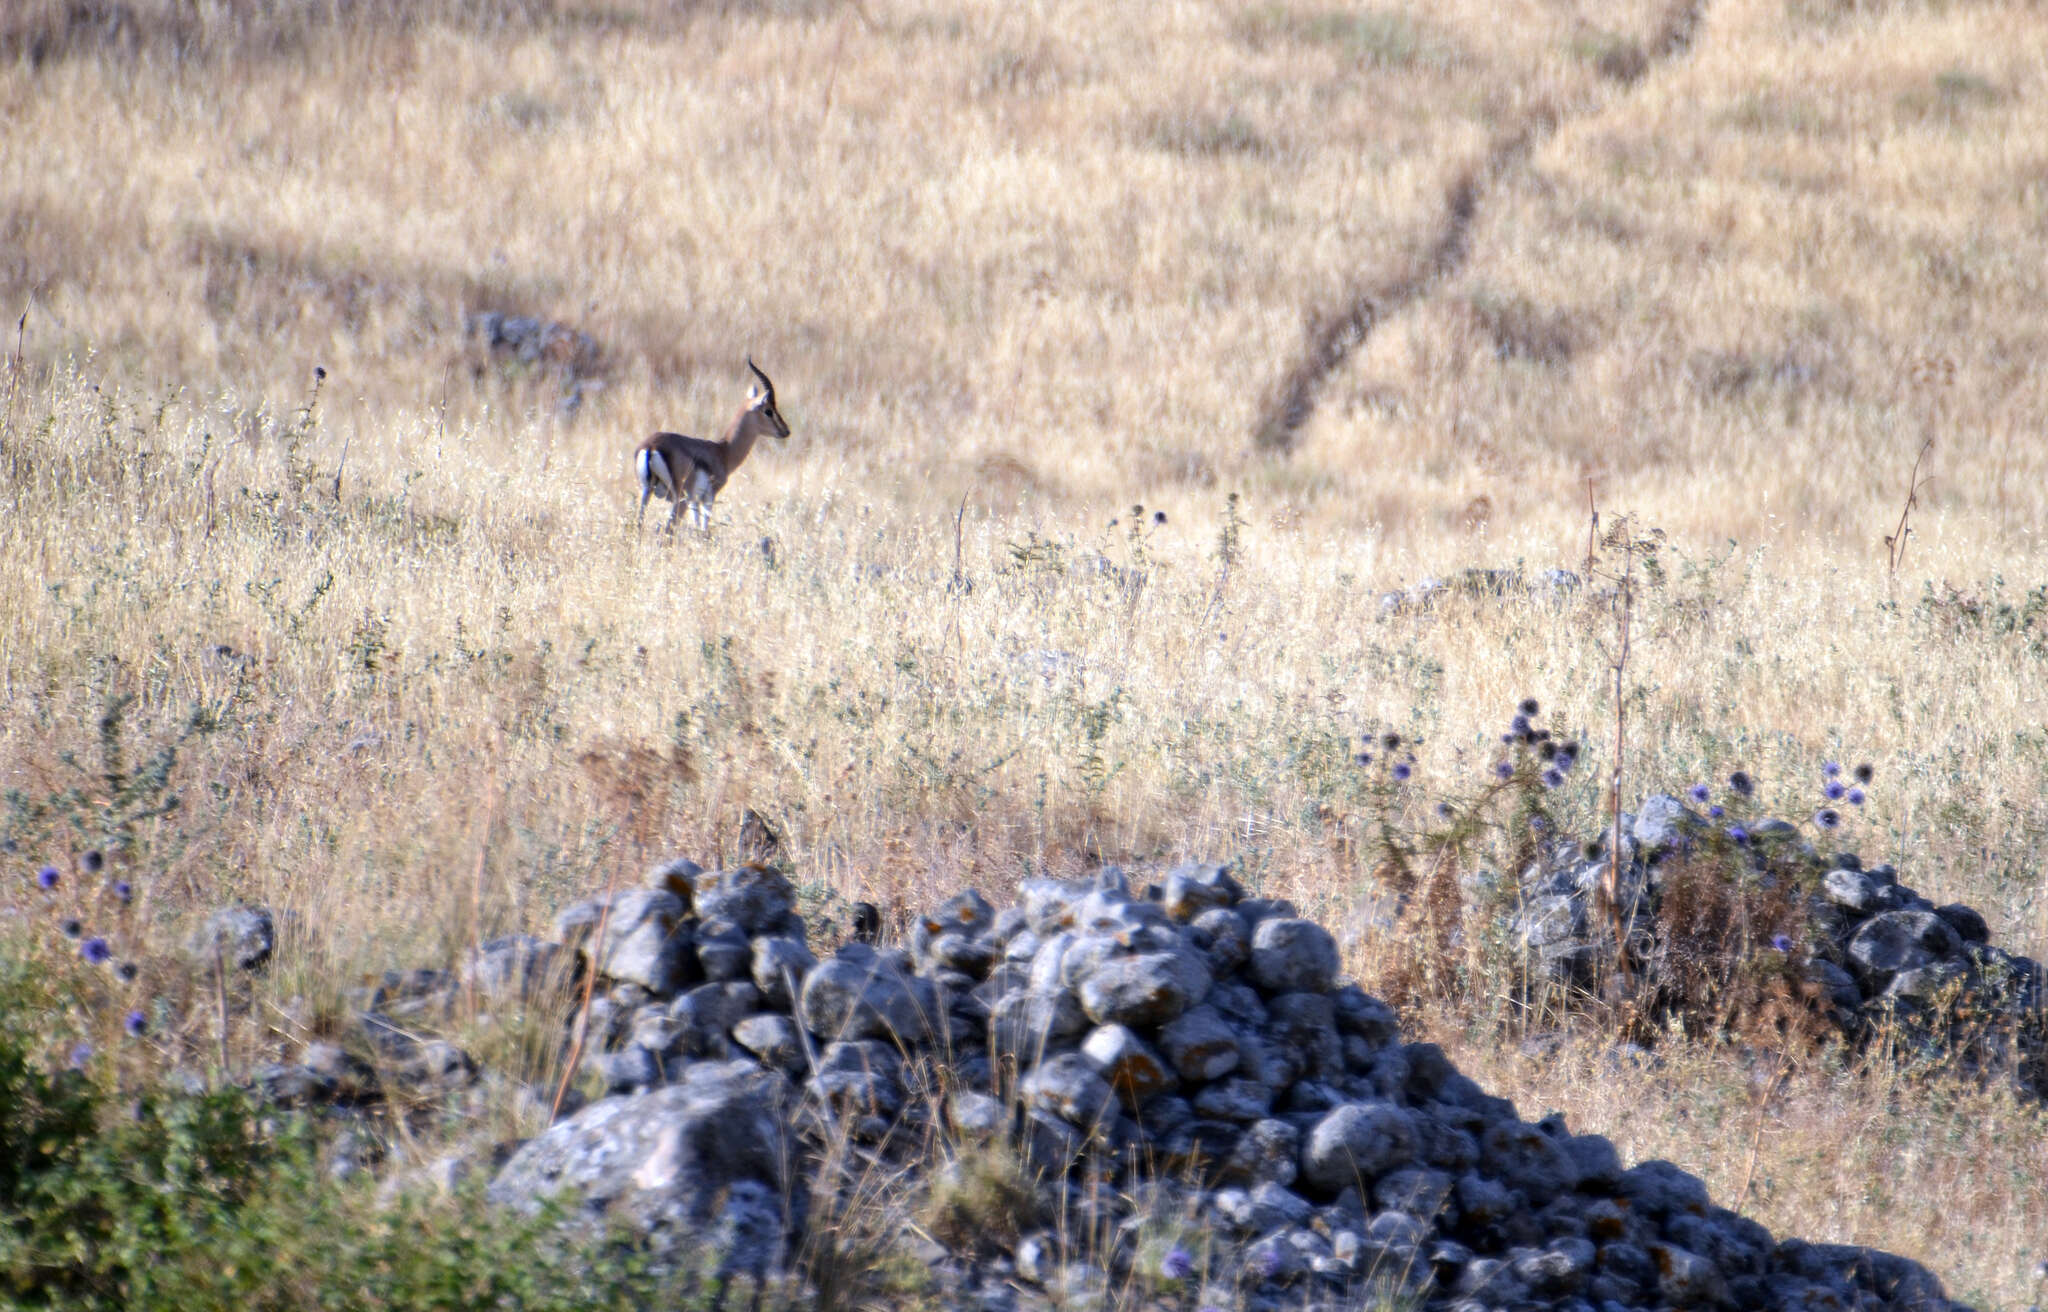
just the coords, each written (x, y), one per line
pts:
(766, 386)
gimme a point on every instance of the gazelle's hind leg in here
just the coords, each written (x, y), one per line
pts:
(654, 477)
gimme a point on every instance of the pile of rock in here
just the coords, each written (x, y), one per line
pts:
(1880, 958)
(1183, 1055)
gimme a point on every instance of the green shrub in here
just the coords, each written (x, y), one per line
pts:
(194, 1201)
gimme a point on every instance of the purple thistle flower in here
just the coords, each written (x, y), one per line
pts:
(1781, 943)
(1700, 793)
(1390, 741)
(1503, 771)
(1553, 777)
(95, 950)
(1865, 773)
(1177, 1264)
(81, 1053)
(93, 862)
(69, 927)
(126, 972)
(46, 878)
(1829, 769)
(1519, 725)
(1444, 811)
(135, 1024)
(1363, 758)
(1401, 771)
(1855, 797)
(1530, 707)
(1507, 737)
(1827, 817)
(1738, 835)
(1834, 790)
(1716, 811)
(123, 891)
(1741, 784)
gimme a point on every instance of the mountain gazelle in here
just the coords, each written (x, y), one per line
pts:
(690, 471)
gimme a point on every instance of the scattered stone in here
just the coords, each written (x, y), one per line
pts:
(242, 936)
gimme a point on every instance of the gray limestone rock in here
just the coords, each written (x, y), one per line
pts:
(1356, 1144)
(754, 898)
(242, 936)
(661, 1161)
(779, 964)
(1293, 956)
(1149, 989)
(1133, 1069)
(639, 937)
(851, 997)
(1894, 941)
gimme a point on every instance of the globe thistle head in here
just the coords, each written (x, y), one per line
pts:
(1401, 771)
(1569, 749)
(1158, 517)
(1530, 707)
(47, 877)
(1855, 797)
(95, 950)
(123, 891)
(93, 862)
(1827, 817)
(1519, 725)
(1834, 790)
(1444, 810)
(1716, 811)
(69, 927)
(1547, 750)
(1781, 943)
(1390, 741)
(1699, 793)
(1178, 1264)
(1363, 758)
(1553, 777)
(1829, 769)
(1741, 784)
(1738, 835)
(1503, 771)
(1865, 773)
(136, 1024)
(126, 972)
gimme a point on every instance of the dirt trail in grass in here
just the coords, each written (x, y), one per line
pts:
(1333, 336)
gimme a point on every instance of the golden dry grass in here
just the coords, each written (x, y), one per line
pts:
(1027, 266)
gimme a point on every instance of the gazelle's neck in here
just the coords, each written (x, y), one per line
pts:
(746, 429)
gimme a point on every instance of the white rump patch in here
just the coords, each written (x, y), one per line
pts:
(655, 475)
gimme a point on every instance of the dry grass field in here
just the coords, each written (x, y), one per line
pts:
(1017, 269)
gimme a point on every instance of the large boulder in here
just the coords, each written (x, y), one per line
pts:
(638, 936)
(661, 1162)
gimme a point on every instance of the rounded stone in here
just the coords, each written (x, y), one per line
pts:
(1293, 956)
(1356, 1144)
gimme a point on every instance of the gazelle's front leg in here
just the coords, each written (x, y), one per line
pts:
(702, 493)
